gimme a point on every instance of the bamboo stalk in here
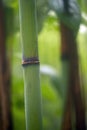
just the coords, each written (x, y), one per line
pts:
(5, 75)
(66, 123)
(3, 106)
(9, 25)
(27, 11)
(76, 86)
(70, 49)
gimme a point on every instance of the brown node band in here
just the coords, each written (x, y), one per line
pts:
(30, 61)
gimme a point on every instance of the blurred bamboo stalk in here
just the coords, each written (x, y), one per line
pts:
(69, 51)
(5, 76)
(3, 117)
(9, 24)
(67, 123)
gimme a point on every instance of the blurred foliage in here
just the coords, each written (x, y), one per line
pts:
(72, 19)
(45, 6)
(11, 3)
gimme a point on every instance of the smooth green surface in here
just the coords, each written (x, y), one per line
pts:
(28, 27)
(31, 72)
(32, 98)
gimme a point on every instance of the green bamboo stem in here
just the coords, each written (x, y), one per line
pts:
(27, 11)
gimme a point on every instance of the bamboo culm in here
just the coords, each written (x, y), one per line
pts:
(28, 28)
(69, 49)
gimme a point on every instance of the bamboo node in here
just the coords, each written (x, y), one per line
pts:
(30, 61)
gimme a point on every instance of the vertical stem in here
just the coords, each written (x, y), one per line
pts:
(76, 86)
(70, 49)
(9, 25)
(3, 103)
(67, 115)
(31, 72)
(66, 124)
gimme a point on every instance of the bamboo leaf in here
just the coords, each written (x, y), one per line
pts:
(71, 20)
